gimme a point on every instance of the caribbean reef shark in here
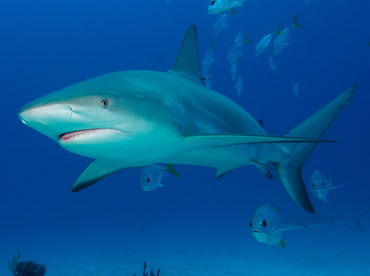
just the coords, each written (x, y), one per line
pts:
(138, 118)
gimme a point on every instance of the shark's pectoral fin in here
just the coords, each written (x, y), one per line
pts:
(96, 171)
(209, 141)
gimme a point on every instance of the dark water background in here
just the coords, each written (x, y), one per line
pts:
(46, 45)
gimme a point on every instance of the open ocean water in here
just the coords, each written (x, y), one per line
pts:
(194, 225)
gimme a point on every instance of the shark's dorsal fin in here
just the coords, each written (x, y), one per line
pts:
(187, 61)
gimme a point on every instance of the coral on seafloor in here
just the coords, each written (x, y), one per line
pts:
(29, 268)
(151, 271)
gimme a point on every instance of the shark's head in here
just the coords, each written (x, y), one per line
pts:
(265, 225)
(96, 119)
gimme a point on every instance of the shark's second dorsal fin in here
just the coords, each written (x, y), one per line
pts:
(187, 61)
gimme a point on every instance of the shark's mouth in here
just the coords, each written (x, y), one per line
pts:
(93, 133)
(84, 132)
(73, 134)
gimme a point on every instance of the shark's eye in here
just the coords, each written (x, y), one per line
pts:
(323, 183)
(250, 224)
(213, 3)
(148, 180)
(264, 223)
(103, 102)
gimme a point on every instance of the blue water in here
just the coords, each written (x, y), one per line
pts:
(194, 225)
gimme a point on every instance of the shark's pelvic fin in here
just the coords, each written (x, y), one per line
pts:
(96, 171)
(187, 61)
(314, 127)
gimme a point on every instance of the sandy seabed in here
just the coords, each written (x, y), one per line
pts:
(340, 250)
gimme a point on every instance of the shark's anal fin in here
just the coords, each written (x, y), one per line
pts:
(96, 171)
(187, 61)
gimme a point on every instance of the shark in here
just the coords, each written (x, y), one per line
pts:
(138, 118)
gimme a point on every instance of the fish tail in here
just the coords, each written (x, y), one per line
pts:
(231, 11)
(357, 219)
(172, 170)
(213, 45)
(277, 31)
(290, 167)
(295, 22)
(247, 40)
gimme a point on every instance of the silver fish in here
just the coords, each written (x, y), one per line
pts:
(282, 39)
(239, 84)
(320, 185)
(272, 62)
(219, 6)
(151, 176)
(296, 88)
(267, 226)
(220, 23)
(233, 71)
(263, 44)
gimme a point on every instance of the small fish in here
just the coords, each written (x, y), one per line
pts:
(220, 23)
(282, 40)
(247, 40)
(320, 186)
(219, 6)
(233, 71)
(265, 42)
(151, 176)
(208, 59)
(206, 78)
(239, 84)
(239, 39)
(296, 89)
(272, 62)
(235, 53)
(236, 50)
(266, 225)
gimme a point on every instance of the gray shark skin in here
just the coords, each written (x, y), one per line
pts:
(138, 118)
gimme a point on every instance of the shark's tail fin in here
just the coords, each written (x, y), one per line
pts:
(289, 169)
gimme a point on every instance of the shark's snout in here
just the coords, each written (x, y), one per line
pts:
(46, 118)
(46, 112)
